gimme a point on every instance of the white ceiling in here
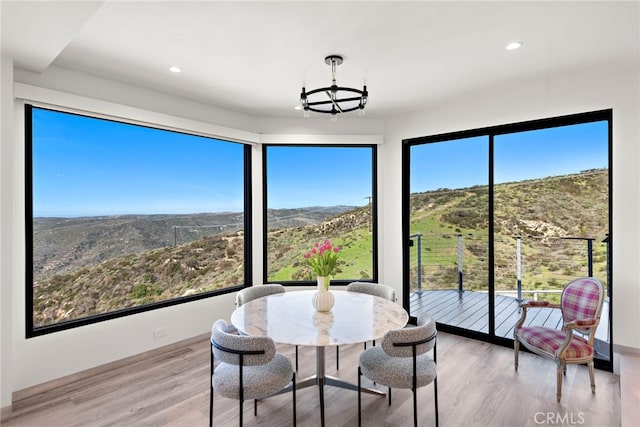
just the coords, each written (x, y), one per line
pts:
(252, 57)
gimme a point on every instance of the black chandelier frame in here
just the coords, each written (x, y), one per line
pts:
(338, 96)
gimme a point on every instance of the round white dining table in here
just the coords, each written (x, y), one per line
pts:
(290, 318)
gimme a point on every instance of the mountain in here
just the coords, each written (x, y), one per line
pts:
(64, 245)
(110, 263)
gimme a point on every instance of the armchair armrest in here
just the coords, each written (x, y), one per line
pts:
(581, 323)
(534, 304)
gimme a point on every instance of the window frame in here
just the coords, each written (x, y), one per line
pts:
(374, 213)
(32, 331)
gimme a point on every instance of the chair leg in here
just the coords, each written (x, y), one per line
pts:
(337, 357)
(435, 398)
(516, 350)
(240, 404)
(559, 382)
(211, 365)
(255, 407)
(389, 393)
(415, 408)
(359, 392)
(296, 358)
(294, 398)
(211, 407)
(592, 376)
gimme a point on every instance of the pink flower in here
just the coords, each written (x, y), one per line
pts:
(323, 258)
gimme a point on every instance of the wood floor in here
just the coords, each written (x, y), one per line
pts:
(477, 386)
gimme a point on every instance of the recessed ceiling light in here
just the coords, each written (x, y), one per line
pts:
(175, 69)
(514, 45)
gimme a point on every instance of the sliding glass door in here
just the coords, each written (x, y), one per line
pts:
(498, 215)
(551, 218)
(448, 231)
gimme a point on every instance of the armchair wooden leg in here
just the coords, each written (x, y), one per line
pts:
(516, 350)
(559, 382)
(592, 376)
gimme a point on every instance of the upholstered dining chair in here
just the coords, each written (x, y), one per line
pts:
(258, 291)
(581, 306)
(402, 361)
(376, 289)
(249, 368)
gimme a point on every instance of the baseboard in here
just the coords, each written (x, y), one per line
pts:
(19, 395)
(628, 351)
(5, 413)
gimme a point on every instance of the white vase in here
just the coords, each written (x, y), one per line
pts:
(323, 300)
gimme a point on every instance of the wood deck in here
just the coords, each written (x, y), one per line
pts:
(471, 311)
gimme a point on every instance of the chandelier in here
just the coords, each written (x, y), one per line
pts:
(334, 99)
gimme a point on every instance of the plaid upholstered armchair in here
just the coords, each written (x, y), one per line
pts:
(581, 305)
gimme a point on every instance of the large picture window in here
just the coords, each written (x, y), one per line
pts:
(123, 218)
(313, 193)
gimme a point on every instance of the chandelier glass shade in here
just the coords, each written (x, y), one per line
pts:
(334, 99)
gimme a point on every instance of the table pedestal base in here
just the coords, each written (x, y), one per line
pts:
(320, 379)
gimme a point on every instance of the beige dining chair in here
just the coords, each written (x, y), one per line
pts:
(249, 368)
(370, 288)
(258, 291)
(401, 361)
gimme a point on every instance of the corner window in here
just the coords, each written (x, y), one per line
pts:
(123, 218)
(313, 193)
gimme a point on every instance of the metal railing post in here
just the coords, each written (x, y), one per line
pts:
(590, 257)
(606, 241)
(460, 264)
(419, 266)
(418, 237)
(519, 267)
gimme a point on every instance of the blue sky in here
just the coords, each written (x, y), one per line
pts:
(315, 176)
(518, 156)
(88, 167)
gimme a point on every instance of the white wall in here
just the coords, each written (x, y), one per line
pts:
(552, 95)
(6, 154)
